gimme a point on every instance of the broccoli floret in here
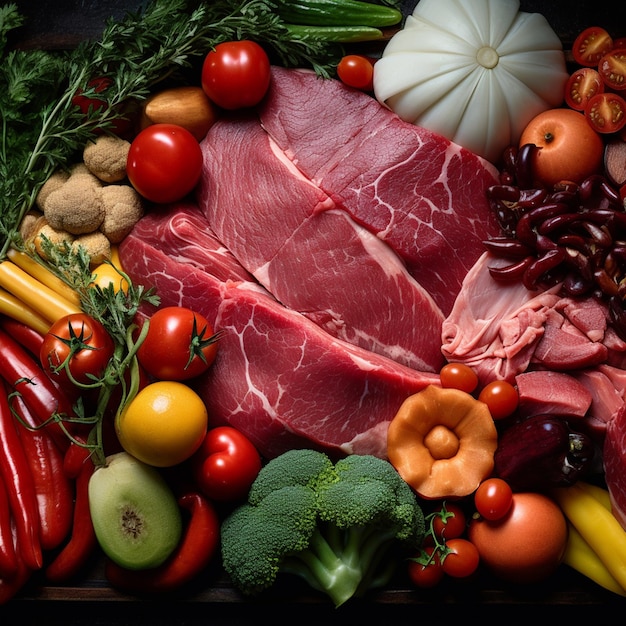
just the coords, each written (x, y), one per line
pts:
(332, 524)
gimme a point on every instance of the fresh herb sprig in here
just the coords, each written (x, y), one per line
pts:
(42, 129)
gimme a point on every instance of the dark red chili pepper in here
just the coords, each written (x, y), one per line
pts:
(24, 374)
(26, 336)
(194, 553)
(16, 474)
(54, 491)
(82, 543)
(8, 558)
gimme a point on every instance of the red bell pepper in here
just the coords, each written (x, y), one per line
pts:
(226, 464)
(82, 543)
(194, 553)
(16, 474)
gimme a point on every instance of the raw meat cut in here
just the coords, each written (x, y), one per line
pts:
(502, 330)
(415, 190)
(278, 377)
(309, 255)
(552, 393)
(614, 460)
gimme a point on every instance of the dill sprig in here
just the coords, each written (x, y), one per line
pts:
(41, 129)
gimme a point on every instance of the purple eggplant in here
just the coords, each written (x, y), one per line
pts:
(541, 452)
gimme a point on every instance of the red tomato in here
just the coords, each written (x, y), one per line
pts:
(591, 45)
(164, 162)
(581, 86)
(449, 522)
(493, 498)
(612, 69)
(606, 112)
(527, 544)
(458, 376)
(180, 344)
(78, 348)
(501, 397)
(236, 74)
(357, 70)
(425, 569)
(226, 464)
(461, 558)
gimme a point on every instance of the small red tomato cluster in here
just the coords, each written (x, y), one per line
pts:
(445, 551)
(595, 88)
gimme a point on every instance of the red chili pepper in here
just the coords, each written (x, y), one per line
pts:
(9, 587)
(226, 464)
(26, 336)
(8, 558)
(82, 543)
(194, 553)
(53, 489)
(15, 471)
(22, 372)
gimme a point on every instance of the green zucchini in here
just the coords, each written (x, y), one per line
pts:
(337, 13)
(335, 34)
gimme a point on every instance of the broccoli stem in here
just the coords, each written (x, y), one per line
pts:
(342, 562)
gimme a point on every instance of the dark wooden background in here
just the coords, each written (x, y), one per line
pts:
(62, 24)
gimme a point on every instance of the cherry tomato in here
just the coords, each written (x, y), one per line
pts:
(581, 86)
(461, 558)
(458, 376)
(591, 45)
(425, 569)
(449, 522)
(493, 498)
(612, 69)
(180, 344)
(501, 397)
(606, 112)
(236, 74)
(357, 70)
(80, 342)
(226, 464)
(164, 163)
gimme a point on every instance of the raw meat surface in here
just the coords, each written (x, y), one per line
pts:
(278, 377)
(311, 256)
(614, 458)
(502, 330)
(415, 190)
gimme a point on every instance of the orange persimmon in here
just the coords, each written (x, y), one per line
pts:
(442, 442)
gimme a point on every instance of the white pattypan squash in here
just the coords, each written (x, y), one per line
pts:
(474, 71)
